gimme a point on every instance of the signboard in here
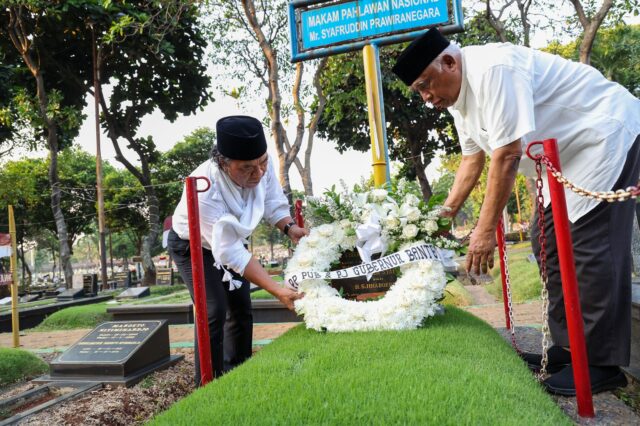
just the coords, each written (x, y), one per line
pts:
(359, 288)
(323, 28)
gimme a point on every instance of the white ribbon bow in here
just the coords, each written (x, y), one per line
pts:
(228, 276)
(369, 239)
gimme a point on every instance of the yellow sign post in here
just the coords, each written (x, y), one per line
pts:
(14, 281)
(377, 124)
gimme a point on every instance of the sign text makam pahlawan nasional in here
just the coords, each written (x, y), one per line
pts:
(331, 24)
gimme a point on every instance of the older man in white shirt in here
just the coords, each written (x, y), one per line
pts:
(244, 190)
(503, 96)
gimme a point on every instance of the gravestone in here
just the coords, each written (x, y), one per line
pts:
(358, 288)
(29, 298)
(134, 293)
(117, 353)
(634, 365)
(122, 279)
(90, 284)
(71, 294)
(164, 276)
(5, 300)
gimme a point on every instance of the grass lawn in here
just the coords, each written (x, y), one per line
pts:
(455, 294)
(162, 290)
(17, 364)
(524, 275)
(455, 370)
(86, 316)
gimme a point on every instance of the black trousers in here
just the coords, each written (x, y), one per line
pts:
(602, 251)
(228, 312)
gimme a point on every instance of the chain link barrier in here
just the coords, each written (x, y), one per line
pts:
(620, 195)
(507, 280)
(631, 192)
(542, 240)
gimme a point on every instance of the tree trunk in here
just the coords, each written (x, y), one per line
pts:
(590, 27)
(24, 43)
(419, 167)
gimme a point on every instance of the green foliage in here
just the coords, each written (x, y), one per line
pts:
(525, 276)
(456, 369)
(414, 131)
(86, 316)
(18, 364)
(178, 163)
(470, 211)
(615, 53)
(162, 290)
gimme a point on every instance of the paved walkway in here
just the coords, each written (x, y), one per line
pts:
(179, 336)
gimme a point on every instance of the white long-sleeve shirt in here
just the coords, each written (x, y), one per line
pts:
(212, 207)
(511, 92)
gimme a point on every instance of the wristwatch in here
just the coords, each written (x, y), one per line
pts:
(286, 228)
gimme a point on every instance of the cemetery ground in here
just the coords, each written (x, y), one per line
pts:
(302, 377)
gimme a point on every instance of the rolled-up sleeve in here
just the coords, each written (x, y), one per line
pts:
(276, 205)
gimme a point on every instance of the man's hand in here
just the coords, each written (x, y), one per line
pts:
(295, 233)
(481, 248)
(288, 296)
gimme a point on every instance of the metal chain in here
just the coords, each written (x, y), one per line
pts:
(505, 259)
(542, 239)
(609, 196)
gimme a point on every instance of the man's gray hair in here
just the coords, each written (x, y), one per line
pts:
(218, 158)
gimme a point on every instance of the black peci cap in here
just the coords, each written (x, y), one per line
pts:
(418, 55)
(240, 137)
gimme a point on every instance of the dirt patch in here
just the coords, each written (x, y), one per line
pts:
(123, 406)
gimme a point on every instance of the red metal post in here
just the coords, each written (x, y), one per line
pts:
(197, 275)
(299, 219)
(501, 248)
(575, 324)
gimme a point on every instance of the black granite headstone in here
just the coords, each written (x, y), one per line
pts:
(359, 287)
(70, 294)
(119, 352)
(123, 279)
(134, 293)
(164, 276)
(90, 284)
(29, 298)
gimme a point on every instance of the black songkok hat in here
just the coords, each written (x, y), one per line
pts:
(418, 55)
(240, 137)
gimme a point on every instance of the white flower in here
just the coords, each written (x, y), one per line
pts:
(378, 194)
(411, 199)
(312, 240)
(429, 226)
(412, 213)
(392, 221)
(359, 199)
(325, 230)
(409, 231)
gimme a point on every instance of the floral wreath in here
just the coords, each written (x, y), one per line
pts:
(370, 221)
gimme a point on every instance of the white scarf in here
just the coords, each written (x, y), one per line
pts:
(231, 231)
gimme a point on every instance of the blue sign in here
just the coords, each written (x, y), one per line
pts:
(322, 28)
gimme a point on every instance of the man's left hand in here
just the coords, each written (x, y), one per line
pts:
(296, 232)
(481, 248)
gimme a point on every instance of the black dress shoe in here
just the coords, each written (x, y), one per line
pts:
(602, 379)
(558, 359)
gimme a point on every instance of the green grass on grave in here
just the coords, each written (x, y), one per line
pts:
(17, 364)
(524, 275)
(85, 316)
(455, 294)
(162, 290)
(454, 370)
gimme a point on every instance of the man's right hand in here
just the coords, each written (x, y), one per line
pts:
(288, 296)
